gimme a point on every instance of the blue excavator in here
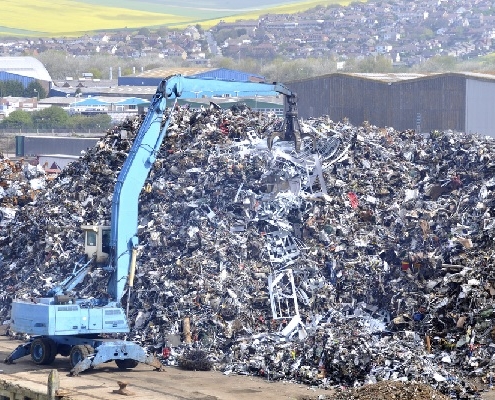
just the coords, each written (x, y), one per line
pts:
(82, 328)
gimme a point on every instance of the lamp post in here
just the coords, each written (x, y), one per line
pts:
(37, 94)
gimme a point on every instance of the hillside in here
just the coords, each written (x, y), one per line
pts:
(44, 18)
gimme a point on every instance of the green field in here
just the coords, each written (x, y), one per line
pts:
(59, 18)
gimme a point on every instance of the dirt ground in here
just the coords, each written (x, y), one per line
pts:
(144, 383)
(171, 384)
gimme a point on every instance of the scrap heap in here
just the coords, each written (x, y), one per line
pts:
(365, 257)
(386, 390)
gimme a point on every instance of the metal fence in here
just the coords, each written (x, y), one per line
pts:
(56, 132)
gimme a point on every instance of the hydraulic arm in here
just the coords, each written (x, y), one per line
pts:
(143, 154)
(77, 327)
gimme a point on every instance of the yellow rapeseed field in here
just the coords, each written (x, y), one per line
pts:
(66, 17)
(287, 9)
(58, 18)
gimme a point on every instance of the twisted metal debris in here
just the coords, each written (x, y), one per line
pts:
(365, 257)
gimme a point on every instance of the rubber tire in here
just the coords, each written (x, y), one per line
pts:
(54, 352)
(43, 351)
(78, 353)
(126, 364)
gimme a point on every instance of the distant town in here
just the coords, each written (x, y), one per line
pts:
(406, 32)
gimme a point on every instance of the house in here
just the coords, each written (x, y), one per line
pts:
(192, 32)
(9, 104)
(251, 26)
(383, 48)
(173, 50)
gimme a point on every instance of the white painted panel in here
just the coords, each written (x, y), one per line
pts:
(480, 107)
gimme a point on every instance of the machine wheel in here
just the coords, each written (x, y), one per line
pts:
(78, 353)
(43, 351)
(126, 364)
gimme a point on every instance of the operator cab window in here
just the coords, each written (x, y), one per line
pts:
(90, 238)
(105, 241)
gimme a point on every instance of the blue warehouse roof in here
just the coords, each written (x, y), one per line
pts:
(90, 102)
(133, 101)
(154, 77)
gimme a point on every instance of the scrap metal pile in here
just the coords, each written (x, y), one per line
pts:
(391, 390)
(363, 258)
(19, 182)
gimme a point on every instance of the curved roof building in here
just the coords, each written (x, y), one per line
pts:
(25, 66)
(24, 70)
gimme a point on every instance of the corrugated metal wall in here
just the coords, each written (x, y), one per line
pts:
(37, 145)
(25, 80)
(480, 107)
(440, 100)
(7, 76)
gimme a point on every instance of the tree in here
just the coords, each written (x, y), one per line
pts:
(59, 64)
(12, 88)
(350, 65)
(152, 65)
(34, 89)
(51, 117)
(163, 32)
(439, 64)
(144, 31)
(18, 119)
(204, 45)
(225, 62)
(427, 34)
(97, 74)
(126, 71)
(98, 122)
(375, 64)
(223, 34)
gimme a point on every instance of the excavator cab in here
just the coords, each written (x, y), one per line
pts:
(97, 242)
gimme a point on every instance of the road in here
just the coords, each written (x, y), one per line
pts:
(212, 44)
(146, 384)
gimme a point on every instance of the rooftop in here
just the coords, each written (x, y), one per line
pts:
(25, 66)
(167, 71)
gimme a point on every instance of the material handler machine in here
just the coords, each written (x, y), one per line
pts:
(82, 328)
